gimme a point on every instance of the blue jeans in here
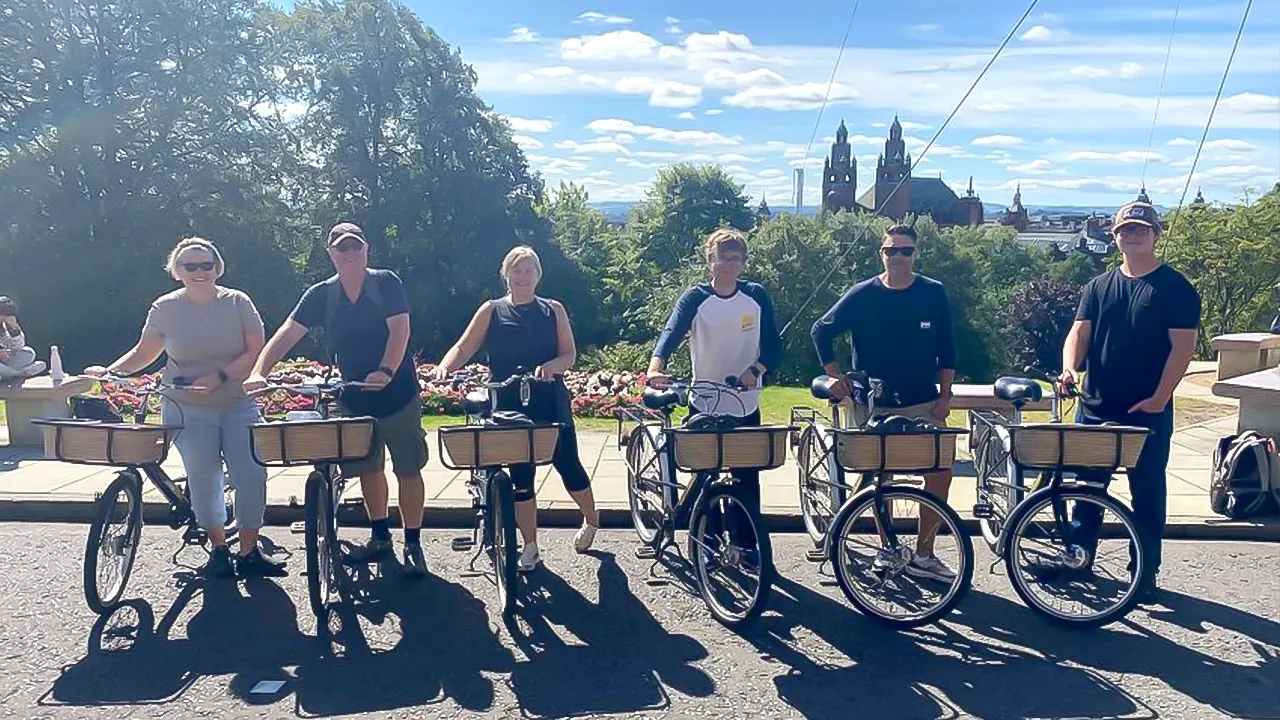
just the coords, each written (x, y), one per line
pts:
(1148, 484)
(208, 438)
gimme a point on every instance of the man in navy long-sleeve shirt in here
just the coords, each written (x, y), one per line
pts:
(899, 324)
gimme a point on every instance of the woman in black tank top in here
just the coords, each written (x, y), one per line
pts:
(524, 332)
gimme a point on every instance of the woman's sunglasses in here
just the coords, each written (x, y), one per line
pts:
(198, 266)
(906, 251)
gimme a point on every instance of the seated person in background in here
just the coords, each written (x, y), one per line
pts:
(16, 359)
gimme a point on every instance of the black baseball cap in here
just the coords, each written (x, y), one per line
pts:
(344, 230)
(1137, 213)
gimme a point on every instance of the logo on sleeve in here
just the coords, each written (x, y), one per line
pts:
(748, 322)
(925, 324)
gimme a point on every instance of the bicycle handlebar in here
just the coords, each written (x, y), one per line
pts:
(313, 391)
(1054, 380)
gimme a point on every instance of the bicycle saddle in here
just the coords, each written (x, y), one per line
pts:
(510, 418)
(476, 403)
(659, 399)
(1018, 390)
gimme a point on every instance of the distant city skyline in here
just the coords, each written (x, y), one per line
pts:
(605, 94)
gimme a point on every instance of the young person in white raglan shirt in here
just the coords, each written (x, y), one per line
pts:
(731, 332)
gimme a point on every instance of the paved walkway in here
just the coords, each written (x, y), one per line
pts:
(31, 488)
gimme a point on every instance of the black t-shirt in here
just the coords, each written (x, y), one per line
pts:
(1129, 341)
(903, 337)
(359, 335)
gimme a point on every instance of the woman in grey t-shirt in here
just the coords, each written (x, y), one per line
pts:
(212, 336)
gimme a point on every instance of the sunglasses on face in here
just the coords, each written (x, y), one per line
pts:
(191, 267)
(906, 251)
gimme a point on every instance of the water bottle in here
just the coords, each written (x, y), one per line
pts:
(55, 365)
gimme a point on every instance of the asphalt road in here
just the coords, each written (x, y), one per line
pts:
(596, 639)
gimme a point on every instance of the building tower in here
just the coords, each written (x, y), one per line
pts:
(840, 175)
(799, 187)
(1199, 202)
(1016, 215)
(763, 212)
(894, 167)
(1142, 195)
(971, 212)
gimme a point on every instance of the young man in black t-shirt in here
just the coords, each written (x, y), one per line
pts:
(899, 324)
(1134, 335)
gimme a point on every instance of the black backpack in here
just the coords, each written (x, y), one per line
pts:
(1242, 477)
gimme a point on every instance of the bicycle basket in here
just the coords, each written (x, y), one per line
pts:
(740, 448)
(923, 450)
(1050, 446)
(471, 447)
(93, 442)
(306, 442)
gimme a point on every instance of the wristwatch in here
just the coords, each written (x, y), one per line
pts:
(387, 371)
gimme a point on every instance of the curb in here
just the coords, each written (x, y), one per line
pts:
(19, 508)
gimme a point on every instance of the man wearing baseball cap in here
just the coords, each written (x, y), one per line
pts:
(365, 314)
(1134, 335)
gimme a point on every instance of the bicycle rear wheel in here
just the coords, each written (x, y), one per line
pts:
(731, 554)
(1075, 581)
(995, 487)
(502, 514)
(645, 493)
(112, 545)
(820, 498)
(884, 580)
(321, 543)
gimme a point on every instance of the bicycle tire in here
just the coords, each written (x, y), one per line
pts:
(1027, 509)
(319, 540)
(989, 450)
(502, 510)
(949, 517)
(639, 445)
(809, 441)
(764, 548)
(129, 485)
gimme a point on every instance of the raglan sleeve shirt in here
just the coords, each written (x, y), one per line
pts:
(680, 322)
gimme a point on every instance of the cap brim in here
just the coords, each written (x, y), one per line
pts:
(1144, 223)
(344, 236)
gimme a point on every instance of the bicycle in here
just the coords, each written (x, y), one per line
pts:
(96, 435)
(833, 510)
(1004, 451)
(317, 438)
(489, 442)
(709, 446)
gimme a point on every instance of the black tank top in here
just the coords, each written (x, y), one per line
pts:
(522, 336)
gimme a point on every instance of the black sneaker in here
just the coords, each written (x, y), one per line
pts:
(1149, 593)
(415, 565)
(259, 565)
(373, 551)
(219, 565)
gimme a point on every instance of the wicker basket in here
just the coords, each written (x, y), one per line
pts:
(306, 442)
(470, 447)
(91, 442)
(1049, 446)
(921, 451)
(743, 448)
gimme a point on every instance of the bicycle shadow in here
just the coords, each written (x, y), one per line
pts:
(435, 630)
(247, 630)
(620, 644)
(929, 672)
(1233, 688)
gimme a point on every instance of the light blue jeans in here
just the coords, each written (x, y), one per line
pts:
(208, 438)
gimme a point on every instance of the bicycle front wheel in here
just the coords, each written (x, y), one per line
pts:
(878, 560)
(320, 541)
(645, 493)
(820, 498)
(112, 545)
(502, 511)
(731, 554)
(1065, 573)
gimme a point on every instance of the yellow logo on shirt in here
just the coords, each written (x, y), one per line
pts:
(748, 322)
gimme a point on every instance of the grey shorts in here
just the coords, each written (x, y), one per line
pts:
(402, 435)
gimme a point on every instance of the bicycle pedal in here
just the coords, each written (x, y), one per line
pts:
(645, 552)
(983, 511)
(298, 527)
(657, 582)
(462, 543)
(816, 555)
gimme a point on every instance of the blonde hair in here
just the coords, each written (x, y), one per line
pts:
(518, 253)
(725, 238)
(194, 242)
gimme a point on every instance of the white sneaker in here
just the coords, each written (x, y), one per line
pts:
(930, 567)
(529, 559)
(585, 536)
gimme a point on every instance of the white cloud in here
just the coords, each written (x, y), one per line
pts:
(925, 28)
(804, 96)
(589, 79)
(720, 42)
(1252, 103)
(526, 125)
(1088, 71)
(545, 72)
(638, 164)
(723, 77)
(909, 125)
(660, 154)
(715, 111)
(686, 115)
(1131, 70)
(1230, 145)
(591, 17)
(671, 20)
(662, 93)
(616, 45)
(556, 166)
(521, 34)
(1181, 142)
(998, 141)
(696, 138)
(1040, 33)
(1128, 156)
(526, 142)
(673, 25)
(735, 158)
(594, 147)
(1035, 167)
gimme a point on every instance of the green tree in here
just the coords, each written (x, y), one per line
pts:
(685, 203)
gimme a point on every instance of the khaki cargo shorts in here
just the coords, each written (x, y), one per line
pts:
(402, 435)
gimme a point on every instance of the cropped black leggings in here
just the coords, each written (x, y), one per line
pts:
(551, 407)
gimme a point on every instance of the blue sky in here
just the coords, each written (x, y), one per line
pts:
(604, 93)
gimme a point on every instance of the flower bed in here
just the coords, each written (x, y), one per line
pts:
(596, 393)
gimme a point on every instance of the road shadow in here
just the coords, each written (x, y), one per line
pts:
(1194, 669)
(396, 643)
(850, 664)
(248, 630)
(608, 657)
